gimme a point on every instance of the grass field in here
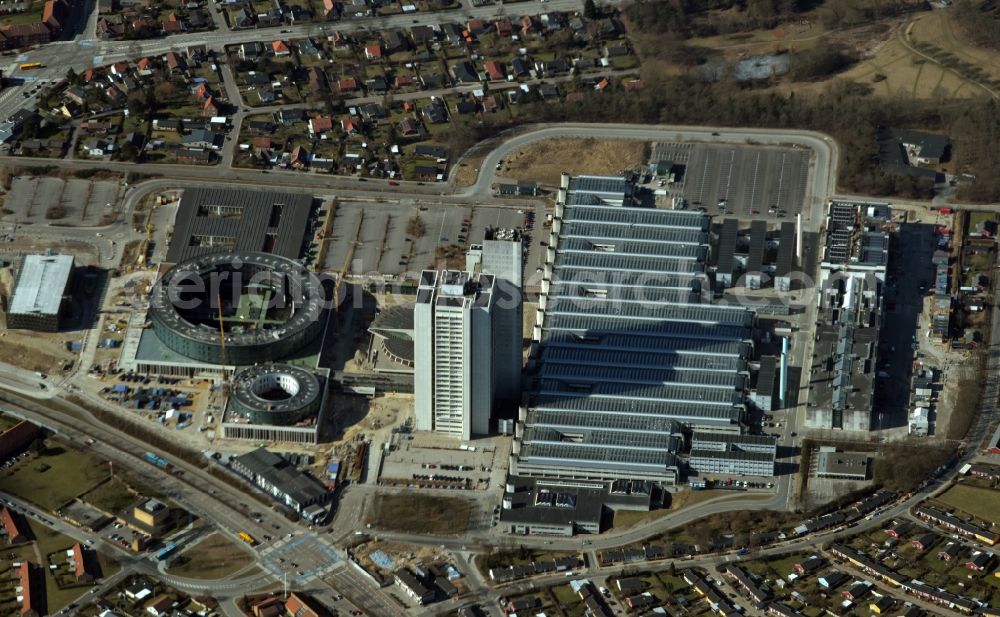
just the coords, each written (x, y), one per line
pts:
(70, 473)
(216, 556)
(111, 497)
(982, 503)
(422, 514)
(544, 161)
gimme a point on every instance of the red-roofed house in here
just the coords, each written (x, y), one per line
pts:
(28, 605)
(280, 49)
(320, 125)
(528, 24)
(328, 8)
(88, 76)
(143, 64)
(495, 70)
(300, 157)
(404, 81)
(504, 27)
(119, 68)
(339, 39)
(80, 565)
(348, 84)
(54, 15)
(17, 531)
(302, 606)
(202, 92)
(262, 143)
(349, 125)
(210, 108)
(373, 51)
(171, 27)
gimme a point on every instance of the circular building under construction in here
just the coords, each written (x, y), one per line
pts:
(276, 394)
(237, 308)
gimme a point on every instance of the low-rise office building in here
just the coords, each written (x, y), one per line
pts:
(41, 295)
(280, 479)
(841, 465)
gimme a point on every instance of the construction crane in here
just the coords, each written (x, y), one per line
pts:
(222, 344)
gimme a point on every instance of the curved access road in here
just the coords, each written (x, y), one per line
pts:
(823, 177)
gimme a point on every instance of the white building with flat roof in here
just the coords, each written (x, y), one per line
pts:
(41, 292)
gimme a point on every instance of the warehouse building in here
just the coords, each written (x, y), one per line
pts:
(626, 350)
(849, 317)
(726, 270)
(754, 278)
(732, 462)
(785, 264)
(841, 465)
(42, 293)
(747, 455)
(763, 393)
(280, 479)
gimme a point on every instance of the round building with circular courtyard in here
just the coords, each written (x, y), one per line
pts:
(275, 394)
(237, 308)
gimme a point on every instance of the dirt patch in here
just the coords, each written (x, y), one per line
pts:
(214, 557)
(35, 351)
(421, 514)
(544, 161)
(468, 172)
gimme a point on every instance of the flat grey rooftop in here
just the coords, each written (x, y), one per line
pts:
(40, 284)
(215, 219)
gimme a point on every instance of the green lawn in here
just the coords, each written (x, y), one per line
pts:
(982, 503)
(62, 471)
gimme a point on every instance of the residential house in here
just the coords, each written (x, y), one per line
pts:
(110, 27)
(201, 138)
(422, 34)
(75, 94)
(435, 112)
(210, 108)
(18, 531)
(979, 561)
(882, 606)
(465, 72)
(349, 125)
(426, 172)
(548, 91)
(320, 125)
(159, 606)
(495, 71)
(809, 565)
(519, 67)
(172, 26)
(243, 19)
(950, 552)
(832, 580)
(409, 128)
(857, 591)
(280, 49)
(466, 106)
(82, 564)
(413, 586)
(477, 27)
(529, 25)
(347, 85)
(329, 9)
(301, 605)
(299, 158)
(259, 127)
(899, 528)
(250, 51)
(175, 62)
(197, 156)
(373, 51)
(377, 84)
(395, 42)
(504, 28)
(268, 607)
(291, 116)
(492, 103)
(925, 541)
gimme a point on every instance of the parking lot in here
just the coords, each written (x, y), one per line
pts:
(420, 460)
(79, 202)
(753, 181)
(395, 239)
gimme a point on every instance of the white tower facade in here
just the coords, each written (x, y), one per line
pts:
(453, 352)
